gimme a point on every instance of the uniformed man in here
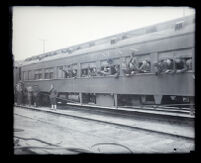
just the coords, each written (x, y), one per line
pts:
(92, 71)
(84, 72)
(116, 71)
(30, 95)
(164, 66)
(133, 65)
(36, 96)
(125, 68)
(180, 65)
(145, 67)
(74, 73)
(189, 63)
(107, 70)
(52, 96)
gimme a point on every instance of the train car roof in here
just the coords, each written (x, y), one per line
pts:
(134, 36)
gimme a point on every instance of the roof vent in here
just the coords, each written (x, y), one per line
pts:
(91, 44)
(113, 41)
(179, 25)
(151, 29)
(124, 37)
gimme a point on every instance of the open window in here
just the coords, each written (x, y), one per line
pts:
(186, 56)
(49, 73)
(29, 75)
(60, 72)
(25, 75)
(71, 70)
(110, 67)
(38, 74)
(144, 63)
(88, 69)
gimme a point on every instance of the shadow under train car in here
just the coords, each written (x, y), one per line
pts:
(64, 98)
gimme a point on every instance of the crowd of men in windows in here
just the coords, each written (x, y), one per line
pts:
(130, 66)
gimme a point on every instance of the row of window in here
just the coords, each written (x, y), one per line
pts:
(129, 65)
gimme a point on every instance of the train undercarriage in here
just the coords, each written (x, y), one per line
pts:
(117, 100)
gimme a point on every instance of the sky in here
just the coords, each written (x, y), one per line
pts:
(36, 29)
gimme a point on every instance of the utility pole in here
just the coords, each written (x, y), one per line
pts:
(43, 44)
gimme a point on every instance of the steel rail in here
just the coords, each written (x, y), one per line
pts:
(112, 123)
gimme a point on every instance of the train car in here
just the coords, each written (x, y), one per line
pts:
(172, 39)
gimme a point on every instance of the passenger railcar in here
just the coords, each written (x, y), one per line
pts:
(172, 39)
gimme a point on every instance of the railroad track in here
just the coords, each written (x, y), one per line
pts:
(108, 122)
(136, 112)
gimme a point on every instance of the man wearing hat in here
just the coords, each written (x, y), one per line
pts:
(180, 65)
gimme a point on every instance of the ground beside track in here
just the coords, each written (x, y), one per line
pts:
(53, 134)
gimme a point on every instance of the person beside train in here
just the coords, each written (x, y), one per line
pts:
(19, 93)
(53, 96)
(29, 91)
(36, 96)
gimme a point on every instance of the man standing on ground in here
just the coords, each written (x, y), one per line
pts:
(53, 95)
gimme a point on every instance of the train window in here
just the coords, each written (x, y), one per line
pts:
(165, 55)
(186, 56)
(38, 74)
(71, 70)
(110, 67)
(60, 72)
(29, 75)
(84, 72)
(88, 69)
(183, 64)
(183, 53)
(144, 66)
(49, 73)
(143, 57)
(25, 75)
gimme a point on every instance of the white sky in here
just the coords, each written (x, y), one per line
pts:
(62, 27)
